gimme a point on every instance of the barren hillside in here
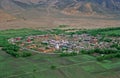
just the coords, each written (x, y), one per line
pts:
(51, 13)
(5, 17)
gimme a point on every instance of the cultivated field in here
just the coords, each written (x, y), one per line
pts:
(39, 66)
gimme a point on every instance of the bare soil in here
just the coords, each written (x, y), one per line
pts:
(53, 22)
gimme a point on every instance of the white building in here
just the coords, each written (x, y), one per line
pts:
(57, 46)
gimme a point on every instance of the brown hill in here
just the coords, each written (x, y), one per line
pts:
(5, 17)
(51, 13)
(69, 6)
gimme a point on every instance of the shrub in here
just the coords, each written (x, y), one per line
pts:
(107, 40)
(53, 67)
(68, 54)
(110, 56)
(88, 51)
(13, 50)
(11, 47)
(26, 54)
(100, 58)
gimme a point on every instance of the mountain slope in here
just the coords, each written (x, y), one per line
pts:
(5, 17)
(70, 6)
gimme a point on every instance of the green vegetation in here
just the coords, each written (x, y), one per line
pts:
(26, 54)
(68, 54)
(104, 53)
(5, 35)
(117, 46)
(53, 67)
(109, 56)
(40, 66)
(107, 39)
(104, 32)
(107, 53)
(14, 51)
(57, 31)
(68, 65)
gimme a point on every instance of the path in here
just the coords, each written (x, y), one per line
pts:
(38, 51)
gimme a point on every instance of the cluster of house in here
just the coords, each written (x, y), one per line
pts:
(64, 43)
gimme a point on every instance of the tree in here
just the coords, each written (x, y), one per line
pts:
(26, 54)
(53, 67)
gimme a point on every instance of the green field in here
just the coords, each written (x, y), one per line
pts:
(39, 65)
(114, 32)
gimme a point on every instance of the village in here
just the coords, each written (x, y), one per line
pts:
(50, 43)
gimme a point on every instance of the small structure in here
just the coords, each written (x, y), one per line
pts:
(46, 50)
(0, 48)
(49, 50)
(28, 40)
(57, 46)
(18, 38)
(94, 40)
(66, 43)
(22, 44)
(31, 46)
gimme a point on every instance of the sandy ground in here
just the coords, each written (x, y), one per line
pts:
(49, 23)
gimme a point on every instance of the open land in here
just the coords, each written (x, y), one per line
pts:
(52, 22)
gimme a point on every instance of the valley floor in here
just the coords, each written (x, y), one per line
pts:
(51, 22)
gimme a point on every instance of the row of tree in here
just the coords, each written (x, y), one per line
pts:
(117, 46)
(100, 51)
(99, 31)
(14, 50)
(68, 54)
(109, 56)
(103, 53)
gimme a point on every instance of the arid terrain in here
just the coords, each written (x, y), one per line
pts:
(46, 23)
(47, 14)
